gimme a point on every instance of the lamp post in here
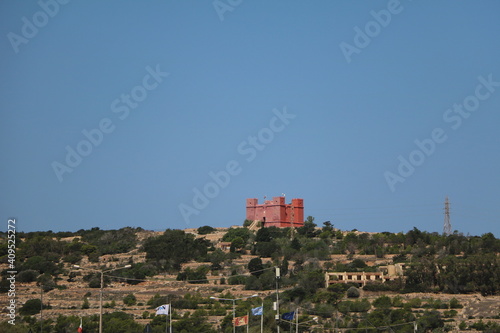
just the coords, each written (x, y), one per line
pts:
(102, 271)
(234, 304)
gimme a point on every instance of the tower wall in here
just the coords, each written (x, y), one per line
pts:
(276, 212)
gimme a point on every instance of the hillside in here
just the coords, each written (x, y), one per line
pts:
(441, 287)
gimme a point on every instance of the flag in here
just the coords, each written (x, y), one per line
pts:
(258, 311)
(241, 321)
(80, 328)
(288, 315)
(163, 309)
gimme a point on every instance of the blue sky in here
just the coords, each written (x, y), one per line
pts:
(318, 100)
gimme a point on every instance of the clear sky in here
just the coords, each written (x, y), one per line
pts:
(169, 114)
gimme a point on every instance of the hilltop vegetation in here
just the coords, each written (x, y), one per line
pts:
(434, 263)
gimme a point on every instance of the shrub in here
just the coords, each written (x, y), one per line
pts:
(397, 302)
(383, 302)
(28, 275)
(157, 300)
(361, 305)
(455, 304)
(255, 267)
(237, 279)
(415, 303)
(129, 300)
(108, 305)
(31, 307)
(353, 292)
(204, 230)
(194, 276)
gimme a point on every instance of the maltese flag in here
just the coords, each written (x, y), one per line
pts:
(80, 328)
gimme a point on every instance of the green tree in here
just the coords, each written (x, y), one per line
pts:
(120, 322)
(232, 233)
(173, 248)
(31, 307)
(204, 230)
(309, 228)
(382, 302)
(255, 267)
(266, 249)
(237, 244)
(129, 300)
(217, 259)
(46, 282)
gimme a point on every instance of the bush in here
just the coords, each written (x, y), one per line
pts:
(205, 230)
(157, 300)
(39, 263)
(46, 282)
(383, 302)
(361, 305)
(266, 249)
(415, 303)
(233, 233)
(237, 279)
(173, 248)
(255, 267)
(31, 307)
(353, 292)
(455, 304)
(345, 307)
(450, 313)
(108, 305)
(194, 276)
(129, 300)
(72, 258)
(28, 275)
(397, 302)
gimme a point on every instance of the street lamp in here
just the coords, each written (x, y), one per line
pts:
(234, 304)
(102, 271)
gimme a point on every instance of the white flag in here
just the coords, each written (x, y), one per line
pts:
(163, 309)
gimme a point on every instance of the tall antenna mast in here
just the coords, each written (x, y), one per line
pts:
(447, 223)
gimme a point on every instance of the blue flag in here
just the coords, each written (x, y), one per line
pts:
(258, 311)
(288, 316)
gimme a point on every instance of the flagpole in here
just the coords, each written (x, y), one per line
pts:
(277, 299)
(297, 321)
(170, 315)
(262, 319)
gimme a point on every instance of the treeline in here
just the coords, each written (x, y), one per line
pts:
(434, 262)
(41, 256)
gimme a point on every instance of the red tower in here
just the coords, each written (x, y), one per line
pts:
(276, 212)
